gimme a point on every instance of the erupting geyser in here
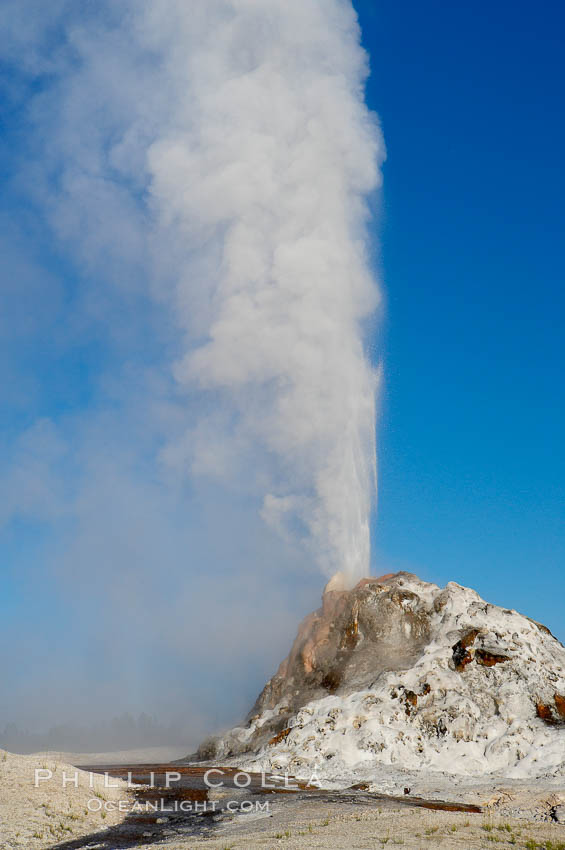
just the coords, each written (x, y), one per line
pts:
(262, 174)
(229, 174)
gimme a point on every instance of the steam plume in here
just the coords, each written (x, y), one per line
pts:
(260, 178)
(222, 151)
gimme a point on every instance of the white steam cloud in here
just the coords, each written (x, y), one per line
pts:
(222, 151)
(263, 173)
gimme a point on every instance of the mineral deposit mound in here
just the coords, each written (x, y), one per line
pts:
(403, 673)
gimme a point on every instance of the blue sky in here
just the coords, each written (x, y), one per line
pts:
(471, 439)
(471, 462)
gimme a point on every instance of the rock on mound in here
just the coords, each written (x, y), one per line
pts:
(401, 672)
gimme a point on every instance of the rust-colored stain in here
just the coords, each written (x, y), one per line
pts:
(364, 582)
(437, 806)
(192, 786)
(544, 712)
(461, 656)
(469, 638)
(350, 637)
(548, 715)
(192, 780)
(489, 659)
(282, 736)
(411, 701)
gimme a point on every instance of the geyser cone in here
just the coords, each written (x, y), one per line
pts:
(400, 671)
